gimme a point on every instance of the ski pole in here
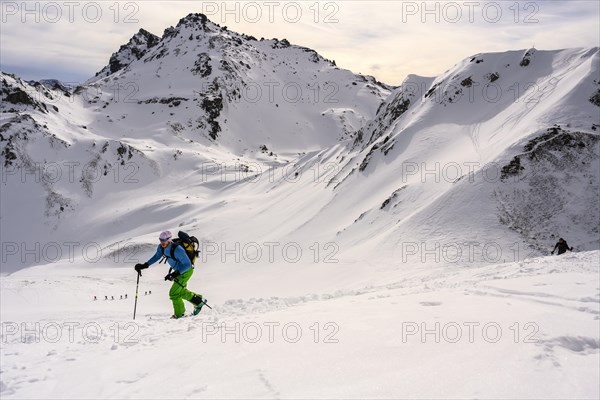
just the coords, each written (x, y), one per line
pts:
(136, 294)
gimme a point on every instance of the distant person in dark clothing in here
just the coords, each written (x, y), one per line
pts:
(562, 247)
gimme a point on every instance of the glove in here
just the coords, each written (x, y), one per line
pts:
(140, 267)
(552, 252)
(571, 249)
(172, 276)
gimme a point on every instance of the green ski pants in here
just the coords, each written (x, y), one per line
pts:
(180, 292)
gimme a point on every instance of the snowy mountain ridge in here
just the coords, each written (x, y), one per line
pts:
(223, 99)
(472, 142)
(137, 46)
(201, 110)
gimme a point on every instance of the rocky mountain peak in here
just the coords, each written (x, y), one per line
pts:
(136, 48)
(195, 19)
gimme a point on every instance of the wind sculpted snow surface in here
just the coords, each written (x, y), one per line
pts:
(358, 240)
(526, 329)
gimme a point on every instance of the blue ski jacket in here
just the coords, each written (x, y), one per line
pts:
(180, 263)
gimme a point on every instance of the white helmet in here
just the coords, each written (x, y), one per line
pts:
(165, 236)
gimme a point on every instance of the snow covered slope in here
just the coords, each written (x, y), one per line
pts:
(198, 101)
(498, 153)
(531, 167)
(506, 140)
(518, 330)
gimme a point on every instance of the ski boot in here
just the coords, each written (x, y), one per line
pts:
(199, 302)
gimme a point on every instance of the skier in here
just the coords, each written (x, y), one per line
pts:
(182, 272)
(562, 247)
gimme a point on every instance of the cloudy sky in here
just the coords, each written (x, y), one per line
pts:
(71, 40)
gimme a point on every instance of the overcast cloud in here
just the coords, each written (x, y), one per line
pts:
(71, 40)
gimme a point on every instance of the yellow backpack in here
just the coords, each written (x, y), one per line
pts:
(189, 243)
